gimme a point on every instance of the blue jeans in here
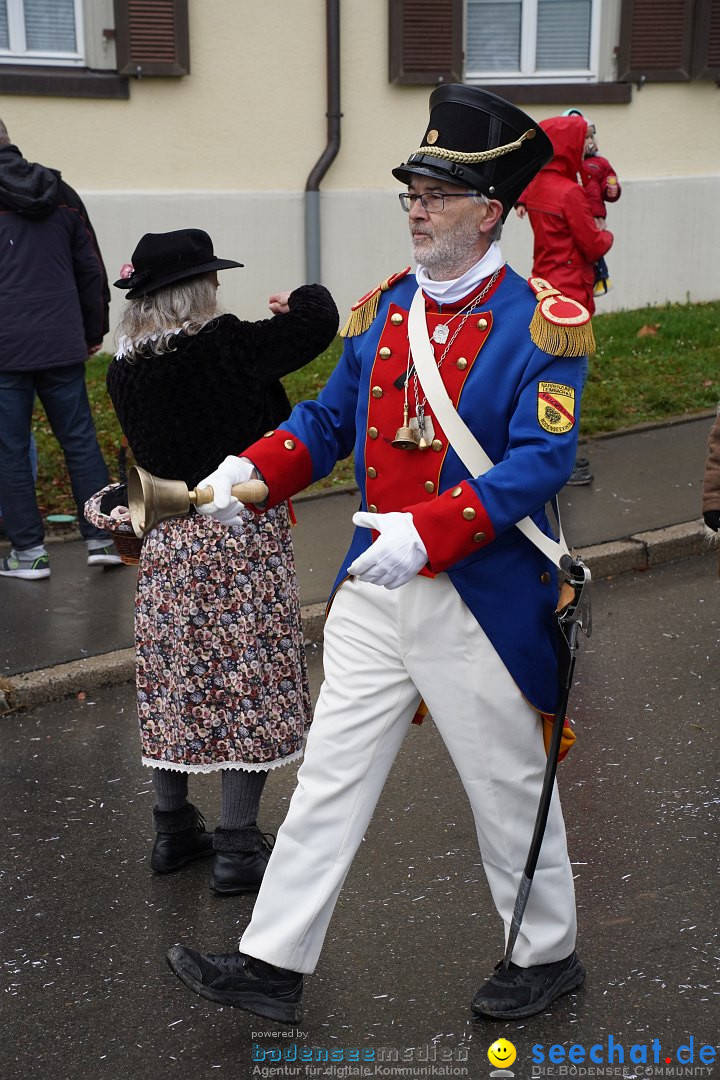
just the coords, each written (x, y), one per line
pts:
(33, 463)
(63, 395)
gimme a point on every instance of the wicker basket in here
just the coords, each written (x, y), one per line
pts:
(97, 512)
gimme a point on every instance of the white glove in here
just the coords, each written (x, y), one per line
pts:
(225, 508)
(396, 556)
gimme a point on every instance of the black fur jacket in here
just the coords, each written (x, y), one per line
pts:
(218, 391)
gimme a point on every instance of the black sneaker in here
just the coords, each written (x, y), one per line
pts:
(18, 565)
(581, 474)
(240, 981)
(107, 555)
(516, 992)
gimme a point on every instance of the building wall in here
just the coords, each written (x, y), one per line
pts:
(229, 148)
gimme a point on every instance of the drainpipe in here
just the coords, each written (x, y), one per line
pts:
(312, 187)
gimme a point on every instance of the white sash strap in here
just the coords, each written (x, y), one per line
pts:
(463, 442)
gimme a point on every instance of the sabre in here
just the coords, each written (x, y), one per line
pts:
(152, 499)
(573, 614)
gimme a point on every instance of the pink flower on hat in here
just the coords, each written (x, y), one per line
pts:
(126, 271)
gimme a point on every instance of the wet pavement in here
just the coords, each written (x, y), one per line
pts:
(86, 993)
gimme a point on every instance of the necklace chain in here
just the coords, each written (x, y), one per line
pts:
(466, 312)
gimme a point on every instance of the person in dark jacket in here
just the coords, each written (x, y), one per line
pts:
(220, 661)
(54, 301)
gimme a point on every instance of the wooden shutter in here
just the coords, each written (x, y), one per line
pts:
(426, 41)
(152, 37)
(706, 51)
(656, 40)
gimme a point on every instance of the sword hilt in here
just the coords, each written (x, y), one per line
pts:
(574, 603)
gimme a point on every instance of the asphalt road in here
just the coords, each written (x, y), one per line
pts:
(86, 993)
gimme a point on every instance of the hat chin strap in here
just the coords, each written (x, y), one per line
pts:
(476, 158)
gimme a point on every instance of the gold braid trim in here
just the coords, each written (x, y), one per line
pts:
(360, 318)
(561, 340)
(481, 155)
(364, 311)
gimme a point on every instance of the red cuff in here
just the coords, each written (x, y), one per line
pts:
(452, 527)
(284, 463)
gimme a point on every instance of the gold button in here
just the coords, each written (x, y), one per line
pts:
(545, 577)
(429, 486)
(396, 319)
(377, 391)
(479, 537)
(373, 432)
(289, 444)
(372, 508)
(268, 434)
(372, 473)
(462, 363)
(469, 514)
(385, 353)
(436, 444)
(455, 492)
(482, 324)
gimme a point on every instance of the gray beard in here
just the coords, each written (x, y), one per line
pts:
(448, 256)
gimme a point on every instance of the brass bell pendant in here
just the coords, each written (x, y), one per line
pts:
(404, 436)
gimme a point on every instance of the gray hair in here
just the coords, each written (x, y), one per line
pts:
(482, 200)
(5, 139)
(149, 324)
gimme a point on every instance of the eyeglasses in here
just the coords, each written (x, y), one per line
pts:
(432, 201)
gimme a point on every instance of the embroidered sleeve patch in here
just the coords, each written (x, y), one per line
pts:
(556, 407)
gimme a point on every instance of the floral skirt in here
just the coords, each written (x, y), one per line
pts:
(221, 670)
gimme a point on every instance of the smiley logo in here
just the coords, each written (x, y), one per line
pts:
(502, 1053)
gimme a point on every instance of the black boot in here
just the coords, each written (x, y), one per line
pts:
(181, 837)
(516, 992)
(240, 981)
(241, 856)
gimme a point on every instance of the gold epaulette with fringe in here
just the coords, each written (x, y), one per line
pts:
(560, 326)
(364, 311)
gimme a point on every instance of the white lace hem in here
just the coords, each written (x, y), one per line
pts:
(263, 766)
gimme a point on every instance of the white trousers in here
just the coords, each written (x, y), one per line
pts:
(384, 649)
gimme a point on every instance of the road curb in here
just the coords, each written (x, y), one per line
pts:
(639, 552)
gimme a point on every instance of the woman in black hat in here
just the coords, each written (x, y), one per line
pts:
(221, 676)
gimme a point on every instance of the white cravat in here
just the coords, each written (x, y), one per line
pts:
(449, 292)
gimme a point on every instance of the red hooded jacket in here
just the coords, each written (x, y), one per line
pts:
(567, 240)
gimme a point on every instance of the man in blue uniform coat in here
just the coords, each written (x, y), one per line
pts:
(440, 598)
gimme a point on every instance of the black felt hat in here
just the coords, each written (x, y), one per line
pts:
(478, 140)
(161, 258)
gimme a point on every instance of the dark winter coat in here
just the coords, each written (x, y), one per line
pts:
(54, 295)
(184, 411)
(711, 479)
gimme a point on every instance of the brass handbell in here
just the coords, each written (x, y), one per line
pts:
(152, 499)
(405, 436)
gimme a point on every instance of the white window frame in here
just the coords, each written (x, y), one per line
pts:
(19, 54)
(528, 40)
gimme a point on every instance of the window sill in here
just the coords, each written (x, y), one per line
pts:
(580, 93)
(62, 82)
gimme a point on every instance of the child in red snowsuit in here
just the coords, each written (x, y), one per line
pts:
(601, 186)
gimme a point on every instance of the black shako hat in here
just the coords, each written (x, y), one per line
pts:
(478, 140)
(161, 258)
